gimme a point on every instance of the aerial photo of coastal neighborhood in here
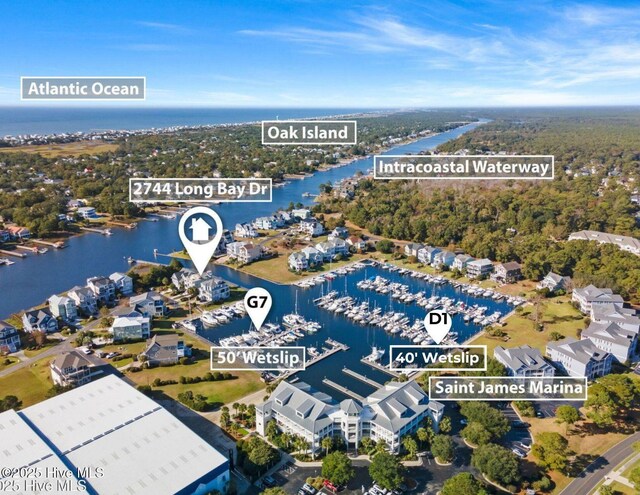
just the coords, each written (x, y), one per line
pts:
(300, 248)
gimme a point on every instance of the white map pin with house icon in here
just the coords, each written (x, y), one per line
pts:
(200, 221)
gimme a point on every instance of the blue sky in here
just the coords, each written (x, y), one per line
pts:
(334, 54)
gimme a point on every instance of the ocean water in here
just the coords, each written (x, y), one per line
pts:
(57, 120)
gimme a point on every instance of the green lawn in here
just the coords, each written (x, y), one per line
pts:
(219, 393)
(558, 316)
(277, 269)
(29, 384)
(7, 362)
(627, 472)
(620, 489)
(36, 352)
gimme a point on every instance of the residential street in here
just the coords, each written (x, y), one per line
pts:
(598, 469)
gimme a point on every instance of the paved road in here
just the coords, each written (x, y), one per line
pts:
(54, 350)
(596, 471)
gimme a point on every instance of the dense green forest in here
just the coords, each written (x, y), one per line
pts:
(525, 221)
(34, 189)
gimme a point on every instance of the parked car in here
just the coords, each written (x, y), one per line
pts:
(269, 481)
(520, 424)
(309, 489)
(524, 444)
(518, 452)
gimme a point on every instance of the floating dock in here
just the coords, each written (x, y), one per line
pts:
(342, 389)
(379, 367)
(362, 378)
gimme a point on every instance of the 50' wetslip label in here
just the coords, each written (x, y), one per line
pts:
(285, 358)
(301, 132)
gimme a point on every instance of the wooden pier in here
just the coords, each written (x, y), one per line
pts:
(362, 378)
(57, 244)
(342, 389)
(28, 248)
(12, 253)
(379, 367)
(93, 229)
(132, 225)
(335, 347)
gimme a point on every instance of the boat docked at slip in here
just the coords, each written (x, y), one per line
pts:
(376, 355)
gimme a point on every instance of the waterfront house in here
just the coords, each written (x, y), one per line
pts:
(340, 246)
(245, 230)
(301, 213)
(427, 254)
(327, 249)
(311, 227)
(589, 296)
(87, 212)
(579, 358)
(625, 318)
(314, 257)
(70, 369)
(554, 282)
(39, 320)
(186, 278)
(339, 233)
(130, 328)
(461, 262)
(149, 304)
(123, 283)
(612, 338)
(284, 217)
(74, 204)
(412, 249)
(84, 299)
(356, 243)
(5, 236)
(227, 238)
(63, 307)
(626, 243)
(213, 289)
(298, 262)
(18, 233)
(481, 268)
(244, 252)
(165, 349)
(103, 288)
(393, 411)
(507, 273)
(523, 361)
(9, 338)
(265, 223)
(443, 258)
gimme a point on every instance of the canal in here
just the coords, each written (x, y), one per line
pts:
(32, 280)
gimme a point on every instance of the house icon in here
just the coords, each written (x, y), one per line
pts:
(200, 230)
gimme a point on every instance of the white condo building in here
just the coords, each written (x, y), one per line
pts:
(388, 414)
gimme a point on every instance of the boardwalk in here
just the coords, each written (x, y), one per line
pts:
(379, 367)
(342, 389)
(362, 378)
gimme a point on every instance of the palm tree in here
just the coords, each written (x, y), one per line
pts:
(241, 410)
(422, 435)
(235, 408)
(327, 443)
(301, 444)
